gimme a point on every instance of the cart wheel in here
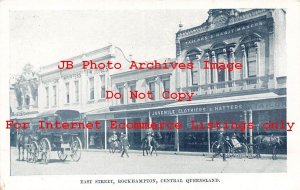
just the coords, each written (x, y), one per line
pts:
(45, 148)
(34, 152)
(76, 148)
(62, 156)
(215, 149)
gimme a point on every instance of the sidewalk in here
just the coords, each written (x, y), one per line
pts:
(263, 156)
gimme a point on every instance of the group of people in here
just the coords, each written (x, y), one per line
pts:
(123, 142)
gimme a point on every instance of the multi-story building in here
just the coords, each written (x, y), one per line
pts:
(254, 94)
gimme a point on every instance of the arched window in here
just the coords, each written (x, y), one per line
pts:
(221, 72)
(249, 46)
(195, 74)
(251, 61)
(193, 57)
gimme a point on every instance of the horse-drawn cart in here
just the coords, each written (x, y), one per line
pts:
(65, 142)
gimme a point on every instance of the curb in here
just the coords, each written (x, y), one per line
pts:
(206, 154)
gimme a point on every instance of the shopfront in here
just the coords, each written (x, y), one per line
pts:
(247, 116)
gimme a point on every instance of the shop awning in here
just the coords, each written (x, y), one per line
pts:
(250, 97)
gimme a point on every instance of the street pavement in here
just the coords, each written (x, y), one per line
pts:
(101, 163)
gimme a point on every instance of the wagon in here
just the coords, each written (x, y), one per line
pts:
(65, 142)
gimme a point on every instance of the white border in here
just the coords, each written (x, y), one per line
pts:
(264, 181)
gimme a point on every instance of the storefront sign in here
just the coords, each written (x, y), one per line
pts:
(268, 104)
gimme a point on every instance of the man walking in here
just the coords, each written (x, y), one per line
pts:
(124, 144)
(221, 145)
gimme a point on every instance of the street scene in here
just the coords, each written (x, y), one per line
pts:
(102, 163)
(171, 113)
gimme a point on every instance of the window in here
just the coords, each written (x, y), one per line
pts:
(221, 72)
(92, 90)
(166, 85)
(121, 91)
(67, 93)
(76, 83)
(251, 60)
(102, 80)
(47, 96)
(54, 96)
(152, 89)
(132, 89)
(194, 74)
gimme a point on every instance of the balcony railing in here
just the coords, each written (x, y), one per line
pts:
(230, 86)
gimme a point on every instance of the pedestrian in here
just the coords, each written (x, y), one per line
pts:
(124, 144)
(221, 145)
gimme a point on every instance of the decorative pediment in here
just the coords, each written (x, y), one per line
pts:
(220, 21)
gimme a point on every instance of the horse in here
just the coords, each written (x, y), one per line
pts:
(149, 143)
(24, 141)
(114, 145)
(269, 142)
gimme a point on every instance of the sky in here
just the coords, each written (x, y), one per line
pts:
(45, 37)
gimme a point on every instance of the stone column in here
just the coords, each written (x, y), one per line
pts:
(177, 135)
(245, 64)
(105, 134)
(208, 71)
(232, 60)
(256, 44)
(187, 76)
(208, 133)
(251, 131)
(125, 93)
(126, 129)
(245, 120)
(225, 61)
(158, 92)
(215, 71)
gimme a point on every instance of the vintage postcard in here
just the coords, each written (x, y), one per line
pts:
(149, 95)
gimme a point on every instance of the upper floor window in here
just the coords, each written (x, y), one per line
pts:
(54, 96)
(195, 75)
(132, 89)
(76, 83)
(121, 91)
(166, 84)
(47, 96)
(102, 83)
(92, 89)
(152, 89)
(221, 72)
(251, 61)
(67, 92)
